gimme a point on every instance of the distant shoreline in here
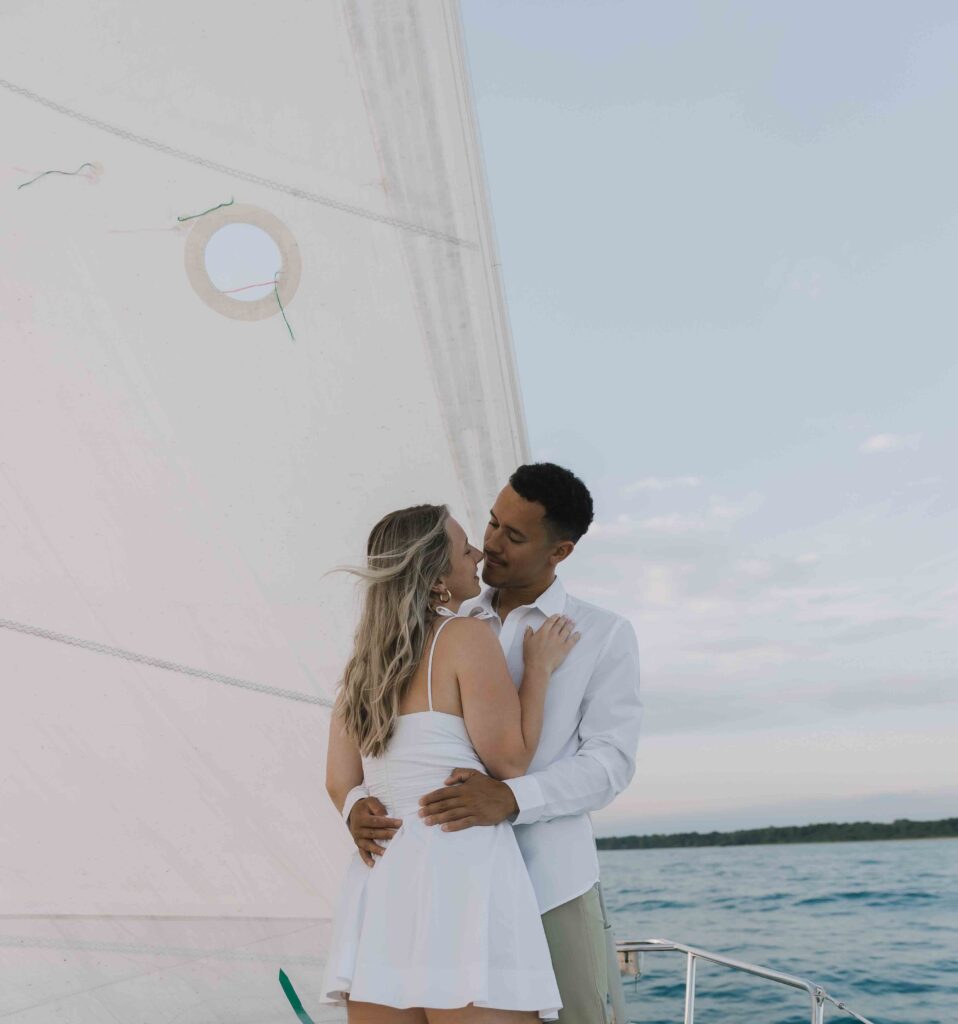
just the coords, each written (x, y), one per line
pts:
(824, 832)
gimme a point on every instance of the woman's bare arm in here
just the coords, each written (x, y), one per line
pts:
(505, 724)
(344, 765)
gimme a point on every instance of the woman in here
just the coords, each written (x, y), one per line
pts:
(445, 927)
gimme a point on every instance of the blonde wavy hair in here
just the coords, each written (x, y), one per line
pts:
(406, 553)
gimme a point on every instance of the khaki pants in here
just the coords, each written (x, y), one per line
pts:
(576, 938)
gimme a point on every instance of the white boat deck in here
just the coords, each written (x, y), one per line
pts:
(187, 970)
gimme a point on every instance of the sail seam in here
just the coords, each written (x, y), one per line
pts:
(256, 179)
(169, 666)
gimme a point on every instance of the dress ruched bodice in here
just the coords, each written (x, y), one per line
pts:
(424, 748)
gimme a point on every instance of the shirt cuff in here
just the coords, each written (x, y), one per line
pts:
(356, 793)
(529, 799)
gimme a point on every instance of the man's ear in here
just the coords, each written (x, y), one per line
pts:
(561, 551)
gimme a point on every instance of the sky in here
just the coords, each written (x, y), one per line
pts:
(729, 239)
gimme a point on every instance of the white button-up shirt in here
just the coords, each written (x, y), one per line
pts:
(586, 753)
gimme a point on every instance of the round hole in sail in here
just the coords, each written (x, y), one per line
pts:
(242, 260)
(234, 254)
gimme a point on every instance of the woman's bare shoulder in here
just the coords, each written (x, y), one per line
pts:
(471, 633)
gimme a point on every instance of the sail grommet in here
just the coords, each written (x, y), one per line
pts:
(225, 301)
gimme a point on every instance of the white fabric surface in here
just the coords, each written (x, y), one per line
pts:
(177, 483)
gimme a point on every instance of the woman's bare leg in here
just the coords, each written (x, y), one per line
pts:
(481, 1015)
(376, 1013)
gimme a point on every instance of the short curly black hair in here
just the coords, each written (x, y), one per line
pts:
(564, 496)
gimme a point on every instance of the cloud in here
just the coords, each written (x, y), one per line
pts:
(908, 690)
(719, 513)
(673, 523)
(729, 511)
(748, 628)
(808, 278)
(662, 483)
(879, 628)
(680, 700)
(881, 444)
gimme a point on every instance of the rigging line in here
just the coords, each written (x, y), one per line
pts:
(246, 287)
(170, 666)
(234, 172)
(844, 1008)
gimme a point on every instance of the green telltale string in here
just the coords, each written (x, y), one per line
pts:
(68, 174)
(279, 302)
(294, 999)
(193, 216)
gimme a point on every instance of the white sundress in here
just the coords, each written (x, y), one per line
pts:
(443, 919)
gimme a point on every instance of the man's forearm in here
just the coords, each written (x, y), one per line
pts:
(510, 804)
(578, 784)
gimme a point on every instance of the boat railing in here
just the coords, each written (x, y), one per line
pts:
(630, 963)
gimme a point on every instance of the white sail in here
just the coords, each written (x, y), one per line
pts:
(184, 458)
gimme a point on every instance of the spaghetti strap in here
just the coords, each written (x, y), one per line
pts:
(432, 651)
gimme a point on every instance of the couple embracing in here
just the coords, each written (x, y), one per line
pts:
(474, 731)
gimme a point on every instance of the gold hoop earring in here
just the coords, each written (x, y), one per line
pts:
(446, 597)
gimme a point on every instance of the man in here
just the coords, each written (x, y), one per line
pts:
(586, 754)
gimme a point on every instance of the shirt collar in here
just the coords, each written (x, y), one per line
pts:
(550, 602)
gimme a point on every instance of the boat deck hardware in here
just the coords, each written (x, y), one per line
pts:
(630, 963)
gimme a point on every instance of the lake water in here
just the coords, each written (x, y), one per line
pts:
(876, 924)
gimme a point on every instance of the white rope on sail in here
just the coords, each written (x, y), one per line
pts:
(169, 666)
(233, 172)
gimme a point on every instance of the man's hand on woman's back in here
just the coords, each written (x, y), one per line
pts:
(367, 824)
(469, 798)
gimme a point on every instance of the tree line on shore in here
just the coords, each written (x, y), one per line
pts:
(823, 832)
